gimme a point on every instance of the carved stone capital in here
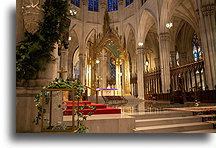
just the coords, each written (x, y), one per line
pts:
(165, 36)
(208, 10)
(32, 15)
(140, 51)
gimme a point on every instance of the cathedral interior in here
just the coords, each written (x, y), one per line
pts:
(160, 50)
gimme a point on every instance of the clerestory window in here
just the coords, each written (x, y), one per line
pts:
(93, 5)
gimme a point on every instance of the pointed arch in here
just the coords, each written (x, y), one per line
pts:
(88, 36)
(147, 20)
(128, 28)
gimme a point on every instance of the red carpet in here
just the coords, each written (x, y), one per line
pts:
(100, 108)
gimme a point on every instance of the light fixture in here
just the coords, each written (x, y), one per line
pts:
(69, 38)
(97, 61)
(147, 63)
(140, 44)
(73, 12)
(169, 25)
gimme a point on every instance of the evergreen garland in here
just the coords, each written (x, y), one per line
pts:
(34, 52)
(60, 83)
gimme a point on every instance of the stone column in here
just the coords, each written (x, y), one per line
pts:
(104, 71)
(118, 76)
(173, 58)
(183, 58)
(51, 69)
(82, 68)
(64, 63)
(165, 61)
(140, 72)
(126, 67)
(207, 29)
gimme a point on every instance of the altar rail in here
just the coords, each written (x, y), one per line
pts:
(207, 96)
(185, 77)
(92, 89)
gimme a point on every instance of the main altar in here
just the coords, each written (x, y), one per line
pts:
(108, 68)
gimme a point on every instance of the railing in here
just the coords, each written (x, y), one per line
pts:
(93, 89)
(185, 77)
(188, 76)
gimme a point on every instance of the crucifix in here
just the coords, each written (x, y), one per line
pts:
(61, 71)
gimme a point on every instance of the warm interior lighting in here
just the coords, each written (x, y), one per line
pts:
(140, 44)
(97, 61)
(73, 12)
(169, 25)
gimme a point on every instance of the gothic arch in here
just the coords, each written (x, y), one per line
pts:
(89, 35)
(129, 27)
(166, 12)
(146, 22)
(73, 47)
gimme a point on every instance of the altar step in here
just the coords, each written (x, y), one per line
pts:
(165, 121)
(100, 108)
(201, 131)
(175, 128)
(170, 122)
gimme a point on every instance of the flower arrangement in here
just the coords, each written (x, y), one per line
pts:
(59, 83)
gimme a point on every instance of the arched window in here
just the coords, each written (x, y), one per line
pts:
(112, 5)
(177, 59)
(76, 2)
(128, 2)
(197, 52)
(93, 5)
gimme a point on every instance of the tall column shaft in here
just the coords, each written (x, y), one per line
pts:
(64, 63)
(165, 61)
(82, 68)
(207, 29)
(126, 76)
(104, 72)
(140, 72)
(118, 77)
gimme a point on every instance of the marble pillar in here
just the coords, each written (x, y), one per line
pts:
(82, 68)
(51, 69)
(104, 71)
(64, 63)
(207, 29)
(165, 61)
(140, 72)
(173, 58)
(126, 67)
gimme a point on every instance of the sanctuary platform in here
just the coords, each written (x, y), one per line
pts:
(100, 108)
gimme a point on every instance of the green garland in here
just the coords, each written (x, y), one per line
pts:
(59, 83)
(34, 52)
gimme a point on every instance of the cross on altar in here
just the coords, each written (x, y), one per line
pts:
(61, 71)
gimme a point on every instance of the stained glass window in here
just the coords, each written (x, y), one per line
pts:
(128, 2)
(93, 5)
(112, 5)
(76, 2)
(197, 52)
(177, 59)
